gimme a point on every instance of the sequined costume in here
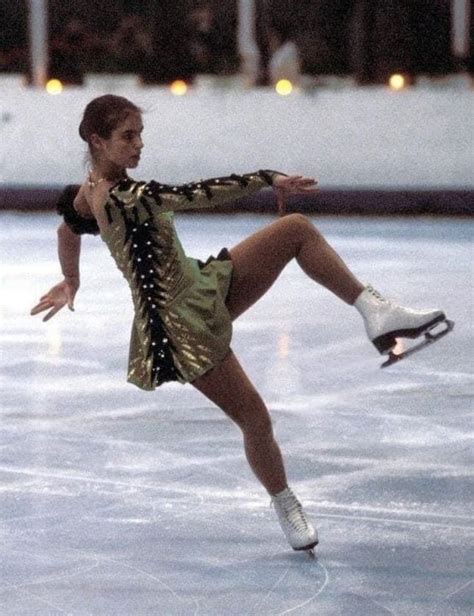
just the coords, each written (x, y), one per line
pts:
(181, 327)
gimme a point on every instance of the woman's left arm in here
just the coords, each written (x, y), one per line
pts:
(154, 196)
(285, 185)
(205, 193)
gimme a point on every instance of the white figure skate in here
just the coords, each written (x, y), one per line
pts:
(385, 321)
(298, 529)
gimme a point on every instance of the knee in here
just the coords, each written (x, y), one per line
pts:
(260, 427)
(255, 420)
(300, 225)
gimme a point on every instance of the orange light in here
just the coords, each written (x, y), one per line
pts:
(397, 82)
(398, 348)
(284, 87)
(179, 87)
(54, 86)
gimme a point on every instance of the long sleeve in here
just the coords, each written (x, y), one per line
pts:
(181, 326)
(203, 194)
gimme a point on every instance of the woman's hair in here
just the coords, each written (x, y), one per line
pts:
(103, 114)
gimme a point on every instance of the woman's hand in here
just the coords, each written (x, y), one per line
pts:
(58, 296)
(285, 185)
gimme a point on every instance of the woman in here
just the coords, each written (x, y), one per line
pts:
(184, 308)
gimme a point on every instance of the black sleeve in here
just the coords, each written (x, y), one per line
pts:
(77, 223)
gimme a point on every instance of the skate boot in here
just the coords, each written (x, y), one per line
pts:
(385, 321)
(297, 528)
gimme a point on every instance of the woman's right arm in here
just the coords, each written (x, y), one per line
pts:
(69, 250)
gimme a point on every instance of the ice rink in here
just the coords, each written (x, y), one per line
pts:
(116, 501)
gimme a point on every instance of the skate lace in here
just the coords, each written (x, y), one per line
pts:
(375, 293)
(294, 515)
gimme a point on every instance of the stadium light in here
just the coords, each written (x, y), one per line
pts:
(54, 86)
(179, 87)
(397, 82)
(284, 87)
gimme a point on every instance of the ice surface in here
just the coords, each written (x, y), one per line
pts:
(116, 501)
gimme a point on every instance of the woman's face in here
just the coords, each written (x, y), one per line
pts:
(124, 145)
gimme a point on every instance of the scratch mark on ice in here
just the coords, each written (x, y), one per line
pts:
(455, 592)
(300, 605)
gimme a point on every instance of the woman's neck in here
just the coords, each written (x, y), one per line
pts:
(97, 175)
(110, 173)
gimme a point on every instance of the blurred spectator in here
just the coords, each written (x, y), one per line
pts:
(14, 51)
(69, 53)
(400, 36)
(203, 39)
(14, 60)
(324, 36)
(431, 25)
(131, 46)
(285, 60)
(166, 40)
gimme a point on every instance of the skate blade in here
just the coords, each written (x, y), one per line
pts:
(309, 549)
(430, 336)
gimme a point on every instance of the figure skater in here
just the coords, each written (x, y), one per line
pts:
(184, 307)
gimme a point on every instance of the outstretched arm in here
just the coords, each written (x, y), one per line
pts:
(217, 191)
(203, 194)
(285, 185)
(69, 250)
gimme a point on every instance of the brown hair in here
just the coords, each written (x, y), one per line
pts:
(103, 114)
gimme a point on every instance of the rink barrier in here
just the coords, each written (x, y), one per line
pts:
(363, 202)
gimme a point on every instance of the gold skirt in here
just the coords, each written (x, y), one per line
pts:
(197, 323)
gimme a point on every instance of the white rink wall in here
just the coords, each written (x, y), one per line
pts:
(352, 137)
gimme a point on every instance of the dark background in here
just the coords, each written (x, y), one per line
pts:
(367, 38)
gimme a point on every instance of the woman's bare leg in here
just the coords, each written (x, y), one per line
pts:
(229, 388)
(260, 258)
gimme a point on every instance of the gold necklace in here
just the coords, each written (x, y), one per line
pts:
(93, 183)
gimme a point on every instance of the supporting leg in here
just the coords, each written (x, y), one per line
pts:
(229, 388)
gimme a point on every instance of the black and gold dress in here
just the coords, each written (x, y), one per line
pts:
(181, 327)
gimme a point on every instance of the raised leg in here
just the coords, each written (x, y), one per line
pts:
(260, 258)
(230, 389)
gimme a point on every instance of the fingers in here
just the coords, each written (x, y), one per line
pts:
(306, 182)
(299, 180)
(51, 313)
(281, 204)
(70, 299)
(44, 305)
(55, 299)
